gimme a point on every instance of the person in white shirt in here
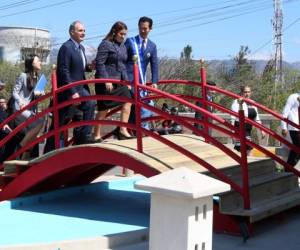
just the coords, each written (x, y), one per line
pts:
(250, 112)
(290, 111)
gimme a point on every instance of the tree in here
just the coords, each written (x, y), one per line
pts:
(186, 54)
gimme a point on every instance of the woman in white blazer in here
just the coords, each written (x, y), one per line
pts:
(23, 94)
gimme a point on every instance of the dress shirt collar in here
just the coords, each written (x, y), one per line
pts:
(77, 45)
(141, 40)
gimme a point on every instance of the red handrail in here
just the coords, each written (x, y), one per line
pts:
(187, 122)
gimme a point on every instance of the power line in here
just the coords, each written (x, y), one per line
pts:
(269, 41)
(163, 13)
(250, 10)
(35, 9)
(212, 14)
(214, 21)
(17, 4)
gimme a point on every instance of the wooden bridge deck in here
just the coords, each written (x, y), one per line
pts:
(157, 156)
(162, 157)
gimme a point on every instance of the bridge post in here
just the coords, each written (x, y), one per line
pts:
(244, 160)
(204, 98)
(137, 104)
(181, 215)
(55, 103)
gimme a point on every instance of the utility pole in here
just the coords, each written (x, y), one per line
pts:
(277, 38)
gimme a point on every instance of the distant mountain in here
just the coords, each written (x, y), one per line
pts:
(259, 65)
(295, 65)
(214, 65)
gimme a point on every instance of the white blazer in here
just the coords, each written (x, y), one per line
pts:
(290, 111)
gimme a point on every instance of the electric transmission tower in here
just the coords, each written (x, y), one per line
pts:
(277, 36)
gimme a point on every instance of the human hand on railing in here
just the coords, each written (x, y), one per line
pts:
(154, 85)
(7, 128)
(91, 66)
(22, 105)
(75, 96)
(284, 132)
(39, 93)
(109, 86)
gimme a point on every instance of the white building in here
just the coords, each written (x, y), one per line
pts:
(17, 42)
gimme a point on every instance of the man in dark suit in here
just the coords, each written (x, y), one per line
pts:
(146, 51)
(71, 67)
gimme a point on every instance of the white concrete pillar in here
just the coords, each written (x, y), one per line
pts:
(181, 209)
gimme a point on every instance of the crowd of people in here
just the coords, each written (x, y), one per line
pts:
(114, 60)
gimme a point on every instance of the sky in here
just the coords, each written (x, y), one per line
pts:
(214, 28)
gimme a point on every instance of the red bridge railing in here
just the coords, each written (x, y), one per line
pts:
(207, 122)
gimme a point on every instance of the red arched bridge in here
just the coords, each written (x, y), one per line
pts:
(151, 153)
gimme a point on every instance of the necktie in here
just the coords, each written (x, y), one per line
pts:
(143, 46)
(80, 48)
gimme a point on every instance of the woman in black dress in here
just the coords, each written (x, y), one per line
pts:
(111, 63)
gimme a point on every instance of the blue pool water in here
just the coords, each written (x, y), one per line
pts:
(75, 213)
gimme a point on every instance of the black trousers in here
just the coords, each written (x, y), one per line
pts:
(9, 148)
(293, 156)
(85, 111)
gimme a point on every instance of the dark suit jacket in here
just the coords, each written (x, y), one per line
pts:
(110, 61)
(150, 56)
(70, 68)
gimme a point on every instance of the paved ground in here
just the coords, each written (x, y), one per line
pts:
(281, 233)
(46, 219)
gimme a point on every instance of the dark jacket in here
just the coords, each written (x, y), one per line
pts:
(70, 68)
(110, 61)
(150, 56)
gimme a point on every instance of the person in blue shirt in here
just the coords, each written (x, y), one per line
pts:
(146, 51)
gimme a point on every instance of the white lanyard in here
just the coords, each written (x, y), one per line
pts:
(139, 61)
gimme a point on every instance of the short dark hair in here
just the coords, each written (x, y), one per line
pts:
(243, 87)
(144, 19)
(72, 26)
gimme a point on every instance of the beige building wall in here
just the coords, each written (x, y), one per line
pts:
(17, 42)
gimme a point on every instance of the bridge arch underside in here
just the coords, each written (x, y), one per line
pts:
(72, 166)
